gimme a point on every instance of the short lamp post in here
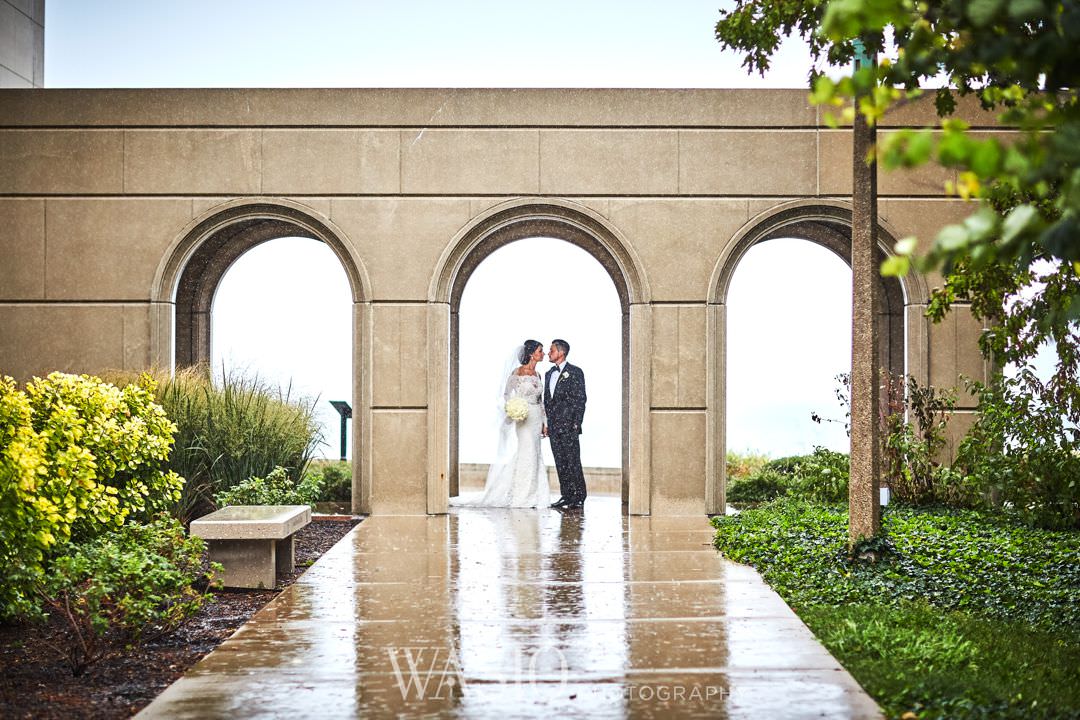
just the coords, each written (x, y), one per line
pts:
(345, 411)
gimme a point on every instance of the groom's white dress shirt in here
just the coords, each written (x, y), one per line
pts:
(554, 379)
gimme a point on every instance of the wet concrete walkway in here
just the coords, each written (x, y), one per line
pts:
(519, 613)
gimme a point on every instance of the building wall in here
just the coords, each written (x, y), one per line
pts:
(22, 43)
(98, 189)
(598, 480)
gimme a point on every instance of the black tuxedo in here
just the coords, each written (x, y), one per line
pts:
(565, 412)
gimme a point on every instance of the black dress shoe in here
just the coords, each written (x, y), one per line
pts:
(561, 502)
(573, 506)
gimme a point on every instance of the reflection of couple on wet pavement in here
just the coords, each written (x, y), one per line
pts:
(547, 548)
(566, 596)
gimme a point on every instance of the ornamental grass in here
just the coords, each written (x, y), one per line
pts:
(232, 428)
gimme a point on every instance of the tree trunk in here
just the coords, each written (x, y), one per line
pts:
(864, 507)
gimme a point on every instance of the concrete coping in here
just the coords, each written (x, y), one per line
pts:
(252, 522)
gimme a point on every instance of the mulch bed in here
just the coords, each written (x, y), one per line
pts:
(36, 683)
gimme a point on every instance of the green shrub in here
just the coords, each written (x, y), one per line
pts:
(912, 421)
(232, 430)
(336, 480)
(767, 484)
(26, 522)
(822, 476)
(277, 488)
(124, 587)
(787, 466)
(913, 436)
(1022, 453)
(78, 457)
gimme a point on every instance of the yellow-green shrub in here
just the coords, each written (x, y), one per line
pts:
(77, 457)
(24, 518)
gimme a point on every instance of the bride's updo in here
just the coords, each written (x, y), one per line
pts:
(527, 349)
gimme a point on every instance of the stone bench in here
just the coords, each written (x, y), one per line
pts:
(253, 543)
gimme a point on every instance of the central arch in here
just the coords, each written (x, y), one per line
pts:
(506, 223)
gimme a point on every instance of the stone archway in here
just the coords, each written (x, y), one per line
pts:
(504, 224)
(903, 339)
(194, 265)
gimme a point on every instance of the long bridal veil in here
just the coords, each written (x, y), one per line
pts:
(504, 439)
(505, 432)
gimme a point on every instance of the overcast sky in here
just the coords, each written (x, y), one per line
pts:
(787, 338)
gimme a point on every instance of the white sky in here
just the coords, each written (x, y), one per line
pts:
(409, 43)
(786, 341)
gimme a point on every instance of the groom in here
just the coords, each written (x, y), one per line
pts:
(564, 401)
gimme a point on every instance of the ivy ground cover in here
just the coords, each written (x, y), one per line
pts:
(965, 614)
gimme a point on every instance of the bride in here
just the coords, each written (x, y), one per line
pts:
(517, 477)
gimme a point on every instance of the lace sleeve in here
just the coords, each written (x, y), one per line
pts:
(511, 386)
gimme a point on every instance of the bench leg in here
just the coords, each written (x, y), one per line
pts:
(286, 556)
(246, 563)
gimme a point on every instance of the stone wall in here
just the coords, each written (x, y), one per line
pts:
(118, 209)
(598, 480)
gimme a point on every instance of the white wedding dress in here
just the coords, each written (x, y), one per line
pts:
(517, 477)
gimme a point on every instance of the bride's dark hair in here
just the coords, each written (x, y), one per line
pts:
(527, 349)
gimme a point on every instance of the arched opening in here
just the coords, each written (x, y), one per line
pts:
(540, 288)
(829, 226)
(505, 224)
(279, 315)
(788, 337)
(192, 270)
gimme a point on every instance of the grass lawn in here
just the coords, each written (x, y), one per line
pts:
(966, 615)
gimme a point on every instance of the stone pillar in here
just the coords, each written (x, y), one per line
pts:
(864, 508)
(716, 415)
(640, 420)
(438, 417)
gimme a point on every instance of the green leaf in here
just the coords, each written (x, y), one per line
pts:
(986, 158)
(982, 12)
(906, 246)
(920, 147)
(944, 102)
(981, 254)
(1061, 239)
(955, 148)
(952, 238)
(982, 223)
(1017, 222)
(895, 266)
(1073, 313)
(841, 19)
(1072, 190)
(824, 90)
(1026, 9)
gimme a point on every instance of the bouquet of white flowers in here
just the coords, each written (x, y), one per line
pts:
(517, 409)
